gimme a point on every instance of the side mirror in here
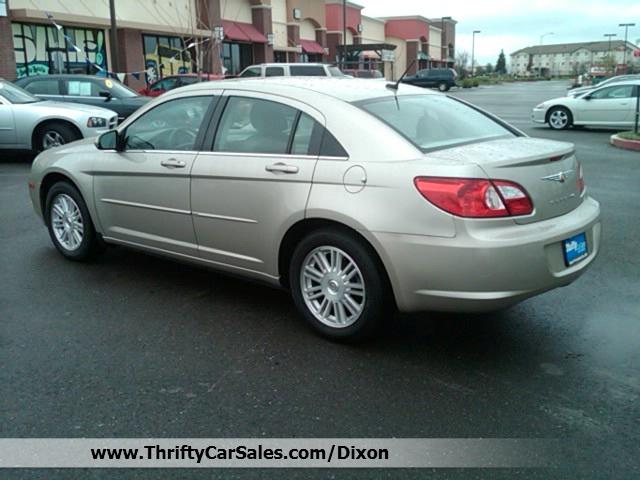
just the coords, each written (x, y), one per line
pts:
(587, 97)
(110, 140)
(105, 94)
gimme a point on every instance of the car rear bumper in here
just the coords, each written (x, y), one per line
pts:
(484, 269)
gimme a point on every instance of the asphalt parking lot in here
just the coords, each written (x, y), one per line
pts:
(136, 346)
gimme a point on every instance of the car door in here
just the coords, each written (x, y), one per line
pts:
(255, 182)
(7, 123)
(142, 191)
(611, 106)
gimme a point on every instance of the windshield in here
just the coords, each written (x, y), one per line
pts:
(16, 94)
(119, 90)
(435, 121)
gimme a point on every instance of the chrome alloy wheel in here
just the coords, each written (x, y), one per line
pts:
(66, 221)
(332, 287)
(52, 139)
(558, 119)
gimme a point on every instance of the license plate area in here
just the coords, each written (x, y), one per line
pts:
(575, 249)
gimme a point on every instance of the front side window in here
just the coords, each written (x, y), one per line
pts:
(172, 125)
(251, 72)
(609, 93)
(251, 125)
(274, 72)
(164, 85)
(434, 121)
(82, 88)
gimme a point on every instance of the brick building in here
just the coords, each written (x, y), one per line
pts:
(156, 39)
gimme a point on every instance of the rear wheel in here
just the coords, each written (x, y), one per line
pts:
(53, 134)
(443, 87)
(338, 285)
(69, 223)
(559, 118)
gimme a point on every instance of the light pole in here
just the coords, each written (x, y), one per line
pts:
(540, 61)
(626, 31)
(610, 36)
(473, 51)
(113, 37)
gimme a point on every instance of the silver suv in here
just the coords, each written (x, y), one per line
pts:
(291, 70)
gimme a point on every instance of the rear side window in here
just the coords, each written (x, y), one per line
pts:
(252, 125)
(307, 71)
(44, 87)
(274, 72)
(188, 80)
(330, 147)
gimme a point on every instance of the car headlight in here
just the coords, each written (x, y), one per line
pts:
(96, 122)
(542, 105)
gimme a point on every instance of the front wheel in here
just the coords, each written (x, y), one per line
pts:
(339, 286)
(69, 224)
(443, 87)
(559, 118)
(53, 134)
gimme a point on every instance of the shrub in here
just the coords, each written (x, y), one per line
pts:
(467, 83)
(476, 83)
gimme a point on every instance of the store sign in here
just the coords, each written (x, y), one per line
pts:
(387, 56)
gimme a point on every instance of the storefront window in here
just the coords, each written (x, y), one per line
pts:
(42, 49)
(236, 57)
(166, 55)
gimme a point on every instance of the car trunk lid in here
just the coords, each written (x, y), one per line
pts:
(547, 170)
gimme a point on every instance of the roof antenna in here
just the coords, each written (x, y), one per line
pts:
(394, 86)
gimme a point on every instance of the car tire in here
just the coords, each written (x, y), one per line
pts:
(53, 134)
(443, 87)
(69, 223)
(559, 118)
(341, 309)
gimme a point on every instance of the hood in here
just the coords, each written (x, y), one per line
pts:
(74, 107)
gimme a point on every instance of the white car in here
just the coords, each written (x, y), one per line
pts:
(607, 106)
(30, 123)
(291, 70)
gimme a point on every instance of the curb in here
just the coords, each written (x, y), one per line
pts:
(616, 141)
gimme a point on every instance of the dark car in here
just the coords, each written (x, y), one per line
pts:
(174, 81)
(441, 78)
(86, 89)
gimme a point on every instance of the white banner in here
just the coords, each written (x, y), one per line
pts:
(274, 453)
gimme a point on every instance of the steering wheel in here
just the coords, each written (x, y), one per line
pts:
(182, 138)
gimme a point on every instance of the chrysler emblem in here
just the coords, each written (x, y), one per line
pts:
(558, 177)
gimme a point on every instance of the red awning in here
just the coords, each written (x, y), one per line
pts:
(242, 32)
(311, 46)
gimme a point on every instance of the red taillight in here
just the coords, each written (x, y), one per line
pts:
(580, 179)
(475, 197)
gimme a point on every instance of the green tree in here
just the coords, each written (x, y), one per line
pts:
(488, 68)
(501, 64)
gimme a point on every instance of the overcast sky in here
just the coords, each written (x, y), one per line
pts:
(513, 24)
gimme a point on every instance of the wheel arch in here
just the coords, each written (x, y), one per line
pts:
(47, 121)
(304, 227)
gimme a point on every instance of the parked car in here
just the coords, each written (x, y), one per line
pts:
(375, 74)
(288, 181)
(612, 105)
(175, 81)
(30, 123)
(441, 78)
(576, 92)
(85, 89)
(291, 70)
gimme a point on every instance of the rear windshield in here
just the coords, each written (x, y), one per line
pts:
(307, 71)
(434, 121)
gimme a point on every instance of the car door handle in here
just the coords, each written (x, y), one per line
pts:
(173, 163)
(281, 168)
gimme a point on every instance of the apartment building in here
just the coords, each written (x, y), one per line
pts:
(572, 58)
(158, 38)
